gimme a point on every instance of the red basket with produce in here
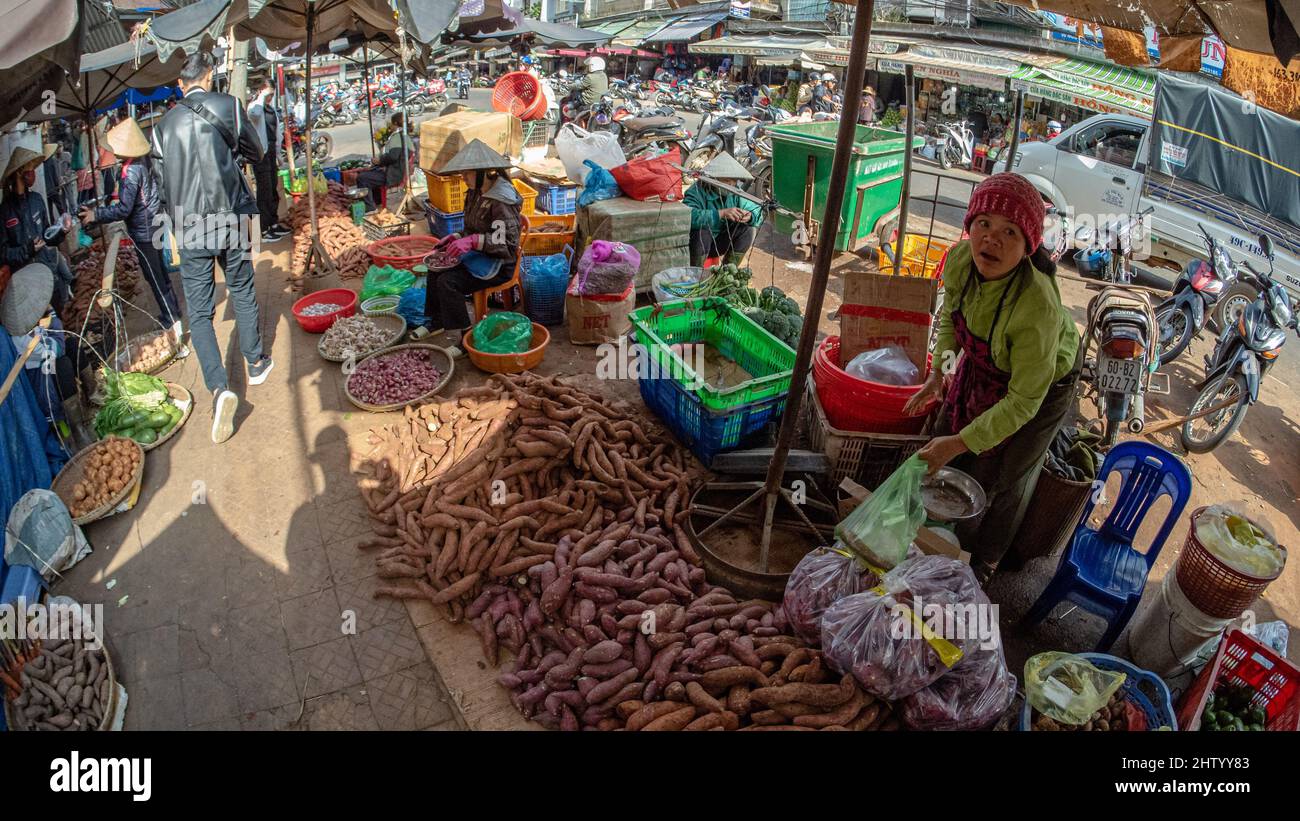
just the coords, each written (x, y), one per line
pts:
(319, 323)
(853, 404)
(520, 93)
(1242, 664)
(401, 252)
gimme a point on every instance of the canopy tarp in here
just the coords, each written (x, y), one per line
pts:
(791, 47)
(1214, 138)
(953, 65)
(532, 32)
(686, 28)
(1116, 90)
(636, 34)
(105, 75)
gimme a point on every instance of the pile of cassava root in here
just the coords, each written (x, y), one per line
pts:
(341, 239)
(552, 523)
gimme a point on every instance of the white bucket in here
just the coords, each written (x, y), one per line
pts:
(1168, 634)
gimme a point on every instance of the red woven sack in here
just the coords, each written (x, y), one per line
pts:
(652, 178)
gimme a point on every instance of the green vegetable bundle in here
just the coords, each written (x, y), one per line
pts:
(138, 407)
(777, 313)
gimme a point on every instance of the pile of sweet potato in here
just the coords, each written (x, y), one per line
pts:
(341, 239)
(551, 521)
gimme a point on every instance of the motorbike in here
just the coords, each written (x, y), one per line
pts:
(653, 133)
(956, 145)
(717, 134)
(322, 144)
(1243, 355)
(462, 88)
(1201, 284)
(437, 92)
(1122, 323)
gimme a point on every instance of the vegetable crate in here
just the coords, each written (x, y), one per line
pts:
(711, 321)
(447, 194)
(543, 300)
(557, 199)
(708, 433)
(866, 458)
(441, 223)
(1241, 660)
(541, 243)
(376, 231)
(529, 194)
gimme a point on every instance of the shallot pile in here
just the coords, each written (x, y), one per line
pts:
(396, 377)
(321, 309)
(353, 335)
(552, 522)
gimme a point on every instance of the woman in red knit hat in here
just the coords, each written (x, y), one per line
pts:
(1006, 360)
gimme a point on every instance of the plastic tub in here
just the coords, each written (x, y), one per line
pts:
(446, 193)
(509, 362)
(530, 197)
(542, 243)
(1144, 690)
(401, 252)
(320, 324)
(854, 404)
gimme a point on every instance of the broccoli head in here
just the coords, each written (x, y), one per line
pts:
(789, 307)
(777, 324)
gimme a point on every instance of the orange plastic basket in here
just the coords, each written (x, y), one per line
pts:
(550, 242)
(519, 93)
(447, 194)
(509, 362)
(530, 197)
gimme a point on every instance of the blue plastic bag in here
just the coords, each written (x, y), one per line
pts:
(411, 307)
(554, 268)
(600, 185)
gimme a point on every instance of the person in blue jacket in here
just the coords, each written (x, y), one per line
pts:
(722, 223)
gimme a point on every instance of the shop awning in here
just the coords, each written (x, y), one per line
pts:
(771, 48)
(535, 32)
(1063, 88)
(972, 68)
(612, 29)
(687, 28)
(636, 33)
(566, 52)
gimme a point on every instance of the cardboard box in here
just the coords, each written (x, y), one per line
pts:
(880, 310)
(930, 543)
(443, 137)
(598, 318)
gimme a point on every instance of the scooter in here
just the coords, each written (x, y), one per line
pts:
(1184, 315)
(462, 88)
(717, 134)
(641, 134)
(1244, 353)
(956, 145)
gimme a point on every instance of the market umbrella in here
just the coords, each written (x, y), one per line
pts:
(104, 76)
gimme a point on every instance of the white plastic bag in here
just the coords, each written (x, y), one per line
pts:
(574, 145)
(40, 533)
(1240, 543)
(889, 366)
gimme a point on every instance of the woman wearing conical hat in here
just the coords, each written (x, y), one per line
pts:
(137, 205)
(722, 223)
(26, 233)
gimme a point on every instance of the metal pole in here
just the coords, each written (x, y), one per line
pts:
(311, 189)
(406, 121)
(1015, 129)
(370, 114)
(857, 75)
(905, 202)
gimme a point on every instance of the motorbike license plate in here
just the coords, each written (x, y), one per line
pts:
(1119, 375)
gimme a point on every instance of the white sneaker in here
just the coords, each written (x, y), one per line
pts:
(224, 406)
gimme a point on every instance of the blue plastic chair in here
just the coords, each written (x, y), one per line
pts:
(1100, 571)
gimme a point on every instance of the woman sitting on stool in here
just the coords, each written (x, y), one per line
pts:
(486, 250)
(722, 223)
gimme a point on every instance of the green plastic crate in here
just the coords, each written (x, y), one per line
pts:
(713, 322)
(875, 181)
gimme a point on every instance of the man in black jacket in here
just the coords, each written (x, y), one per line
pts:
(197, 148)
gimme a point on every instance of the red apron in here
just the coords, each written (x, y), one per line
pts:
(978, 384)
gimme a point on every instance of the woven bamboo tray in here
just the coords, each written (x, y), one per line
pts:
(393, 321)
(110, 709)
(123, 362)
(184, 400)
(74, 470)
(445, 364)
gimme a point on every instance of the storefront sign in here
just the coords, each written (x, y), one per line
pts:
(1067, 29)
(1070, 98)
(952, 75)
(1173, 154)
(1213, 52)
(740, 9)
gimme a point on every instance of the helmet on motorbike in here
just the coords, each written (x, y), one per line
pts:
(564, 74)
(828, 77)
(527, 59)
(594, 63)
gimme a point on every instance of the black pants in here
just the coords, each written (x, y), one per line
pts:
(198, 276)
(266, 173)
(374, 180)
(151, 266)
(732, 238)
(444, 299)
(1007, 474)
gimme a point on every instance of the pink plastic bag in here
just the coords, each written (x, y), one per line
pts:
(869, 634)
(607, 267)
(973, 696)
(822, 578)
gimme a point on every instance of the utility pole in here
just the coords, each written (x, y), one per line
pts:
(238, 66)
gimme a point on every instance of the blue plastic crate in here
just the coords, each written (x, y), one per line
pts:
(543, 299)
(333, 173)
(1141, 688)
(441, 224)
(708, 433)
(557, 199)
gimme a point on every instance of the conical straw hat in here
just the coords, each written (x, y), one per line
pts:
(127, 140)
(476, 156)
(725, 167)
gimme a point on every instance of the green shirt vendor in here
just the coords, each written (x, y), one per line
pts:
(722, 223)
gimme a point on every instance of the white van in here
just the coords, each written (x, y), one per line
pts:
(1098, 168)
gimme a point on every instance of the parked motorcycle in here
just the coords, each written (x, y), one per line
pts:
(322, 144)
(717, 134)
(1184, 315)
(1244, 353)
(462, 89)
(956, 145)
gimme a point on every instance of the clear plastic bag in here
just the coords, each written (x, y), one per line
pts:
(1239, 542)
(889, 366)
(607, 267)
(575, 146)
(40, 533)
(600, 185)
(881, 635)
(820, 579)
(971, 696)
(881, 528)
(1068, 688)
(503, 332)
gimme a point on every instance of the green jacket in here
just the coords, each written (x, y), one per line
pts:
(705, 202)
(1035, 341)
